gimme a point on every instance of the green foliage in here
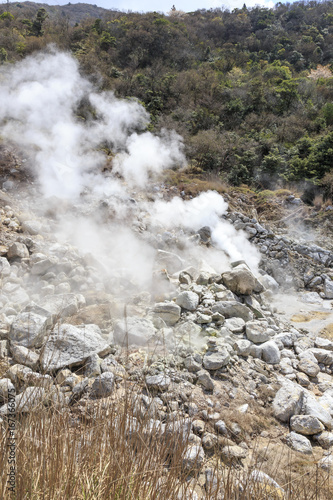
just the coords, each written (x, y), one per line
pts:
(6, 16)
(35, 27)
(107, 40)
(3, 55)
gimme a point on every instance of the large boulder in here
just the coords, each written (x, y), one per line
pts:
(314, 408)
(71, 345)
(270, 352)
(133, 330)
(241, 281)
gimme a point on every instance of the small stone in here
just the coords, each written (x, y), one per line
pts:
(209, 441)
(103, 385)
(193, 458)
(235, 325)
(18, 250)
(215, 360)
(24, 356)
(308, 367)
(28, 329)
(235, 452)
(221, 427)
(270, 353)
(205, 380)
(159, 382)
(257, 331)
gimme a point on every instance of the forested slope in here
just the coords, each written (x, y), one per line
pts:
(250, 90)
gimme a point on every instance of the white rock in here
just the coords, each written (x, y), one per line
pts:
(270, 352)
(288, 401)
(299, 443)
(71, 345)
(188, 300)
(257, 331)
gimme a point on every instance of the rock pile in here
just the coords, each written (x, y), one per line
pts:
(66, 337)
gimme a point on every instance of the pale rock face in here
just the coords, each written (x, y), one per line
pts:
(18, 250)
(299, 443)
(71, 345)
(314, 408)
(29, 400)
(325, 439)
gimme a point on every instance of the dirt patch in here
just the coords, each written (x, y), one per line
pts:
(309, 316)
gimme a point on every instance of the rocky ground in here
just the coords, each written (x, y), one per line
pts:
(245, 358)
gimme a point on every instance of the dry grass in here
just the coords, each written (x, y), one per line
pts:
(100, 450)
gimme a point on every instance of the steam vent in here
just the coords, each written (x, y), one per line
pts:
(156, 341)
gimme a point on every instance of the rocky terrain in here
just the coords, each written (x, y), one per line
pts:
(241, 357)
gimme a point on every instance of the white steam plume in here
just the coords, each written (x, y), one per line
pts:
(39, 97)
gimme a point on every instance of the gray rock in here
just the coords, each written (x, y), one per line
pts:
(205, 380)
(63, 305)
(39, 380)
(313, 407)
(6, 388)
(258, 331)
(133, 330)
(28, 329)
(288, 401)
(215, 360)
(4, 267)
(221, 427)
(241, 281)
(299, 443)
(271, 486)
(235, 325)
(309, 367)
(71, 345)
(306, 424)
(209, 441)
(324, 439)
(322, 343)
(235, 452)
(193, 458)
(18, 373)
(24, 356)
(231, 309)
(159, 382)
(270, 352)
(242, 347)
(18, 250)
(193, 363)
(168, 311)
(31, 399)
(323, 356)
(326, 463)
(328, 289)
(188, 300)
(43, 266)
(170, 261)
(103, 385)
(92, 366)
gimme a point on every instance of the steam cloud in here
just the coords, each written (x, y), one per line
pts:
(40, 98)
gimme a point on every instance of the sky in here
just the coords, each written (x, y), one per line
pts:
(164, 5)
